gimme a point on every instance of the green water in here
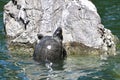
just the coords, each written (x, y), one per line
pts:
(74, 67)
(109, 11)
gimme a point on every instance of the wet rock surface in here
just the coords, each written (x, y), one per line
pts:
(78, 18)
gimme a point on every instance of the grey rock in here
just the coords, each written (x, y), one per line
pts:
(79, 19)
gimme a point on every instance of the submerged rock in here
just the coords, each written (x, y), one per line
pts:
(79, 19)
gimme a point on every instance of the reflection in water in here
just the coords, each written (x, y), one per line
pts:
(49, 66)
(74, 67)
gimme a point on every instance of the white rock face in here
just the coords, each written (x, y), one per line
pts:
(79, 19)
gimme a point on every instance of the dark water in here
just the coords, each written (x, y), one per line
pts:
(74, 67)
(109, 11)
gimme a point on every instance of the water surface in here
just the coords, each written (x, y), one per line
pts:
(74, 67)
